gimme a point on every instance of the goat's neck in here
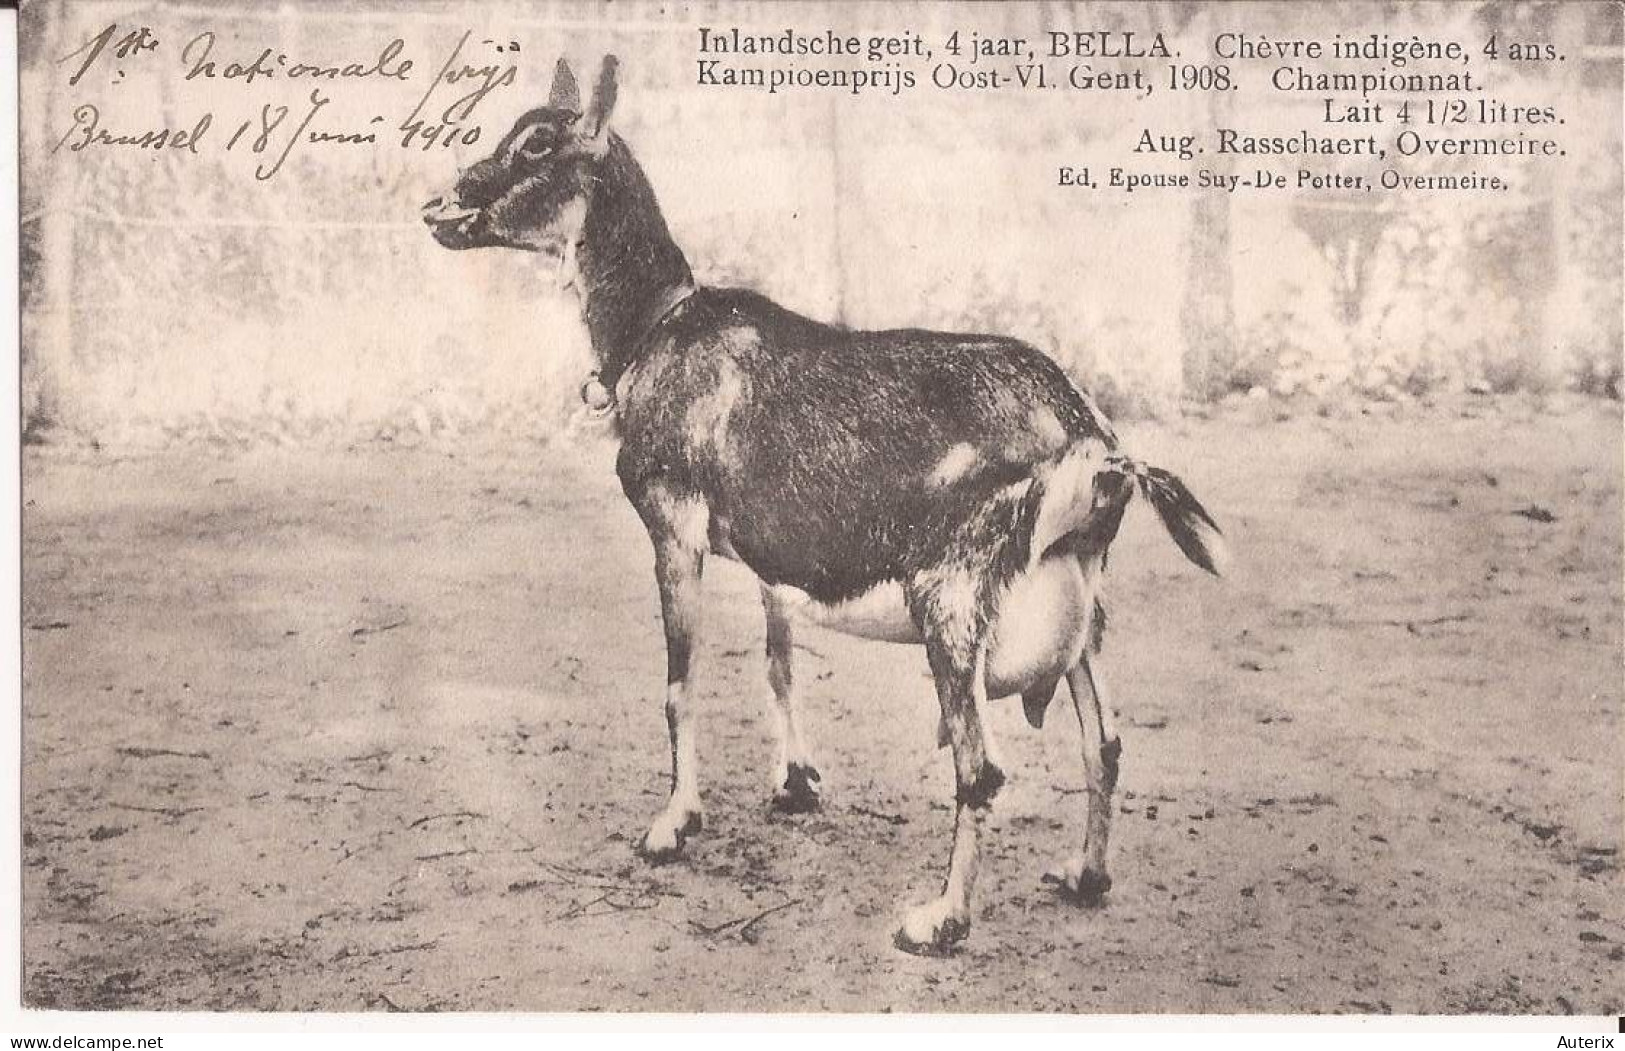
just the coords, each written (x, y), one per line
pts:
(629, 272)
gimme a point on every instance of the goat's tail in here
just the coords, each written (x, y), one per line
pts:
(1186, 520)
(1083, 494)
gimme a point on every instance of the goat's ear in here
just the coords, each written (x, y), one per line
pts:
(565, 93)
(603, 99)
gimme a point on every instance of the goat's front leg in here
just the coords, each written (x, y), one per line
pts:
(934, 927)
(678, 564)
(795, 780)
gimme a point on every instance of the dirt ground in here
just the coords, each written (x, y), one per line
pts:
(379, 729)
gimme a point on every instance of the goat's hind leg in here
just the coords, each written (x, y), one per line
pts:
(1084, 878)
(957, 664)
(795, 780)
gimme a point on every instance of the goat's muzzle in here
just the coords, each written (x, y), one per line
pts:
(450, 221)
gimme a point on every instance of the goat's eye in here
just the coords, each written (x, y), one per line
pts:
(535, 147)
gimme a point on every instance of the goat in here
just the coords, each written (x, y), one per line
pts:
(955, 491)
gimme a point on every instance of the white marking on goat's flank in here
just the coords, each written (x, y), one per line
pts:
(959, 461)
(708, 415)
(1046, 427)
(881, 613)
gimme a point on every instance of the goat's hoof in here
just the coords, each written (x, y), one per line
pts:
(932, 929)
(799, 794)
(1080, 884)
(663, 843)
(980, 792)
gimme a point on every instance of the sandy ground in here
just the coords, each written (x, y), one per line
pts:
(379, 729)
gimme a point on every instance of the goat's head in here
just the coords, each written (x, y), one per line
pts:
(531, 192)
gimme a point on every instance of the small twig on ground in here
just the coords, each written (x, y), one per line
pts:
(356, 633)
(454, 813)
(419, 947)
(581, 909)
(447, 854)
(618, 895)
(173, 813)
(1415, 626)
(744, 923)
(576, 878)
(890, 819)
(153, 753)
(747, 932)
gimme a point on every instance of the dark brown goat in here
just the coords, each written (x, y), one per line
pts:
(956, 491)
